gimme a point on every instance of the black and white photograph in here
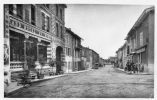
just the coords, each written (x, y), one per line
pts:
(73, 50)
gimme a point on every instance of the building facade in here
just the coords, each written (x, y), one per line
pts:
(140, 41)
(68, 51)
(32, 32)
(75, 45)
(122, 56)
(83, 58)
(95, 58)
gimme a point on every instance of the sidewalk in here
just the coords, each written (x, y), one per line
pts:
(13, 86)
(139, 73)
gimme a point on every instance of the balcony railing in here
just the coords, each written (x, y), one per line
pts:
(16, 66)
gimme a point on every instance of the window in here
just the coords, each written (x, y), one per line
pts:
(128, 51)
(26, 15)
(19, 11)
(61, 32)
(56, 10)
(141, 39)
(16, 10)
(45, 22)
(16, 47)
(47, 6)
(32, 14)
(11, 8)
(57, 30)
(61, 14)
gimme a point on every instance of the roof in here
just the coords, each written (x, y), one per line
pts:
(144, 14)
(121, 47)
(72, 33)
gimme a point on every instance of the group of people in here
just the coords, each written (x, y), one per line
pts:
(132, 67)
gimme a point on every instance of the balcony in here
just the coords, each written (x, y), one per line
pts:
(16, 66)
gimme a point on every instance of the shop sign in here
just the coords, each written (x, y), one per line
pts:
(140, 50)
(22, 26)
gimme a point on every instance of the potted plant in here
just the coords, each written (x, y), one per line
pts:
(52, 65)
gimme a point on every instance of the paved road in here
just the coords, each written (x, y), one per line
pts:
(105, 82)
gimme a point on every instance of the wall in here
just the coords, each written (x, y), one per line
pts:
(151, 44)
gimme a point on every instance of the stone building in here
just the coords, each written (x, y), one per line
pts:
(88, 56)
(32, 32)
(74, 47)
(140, 41)
(95, 58)
(83, 58)
(68, 51)
(122, 56)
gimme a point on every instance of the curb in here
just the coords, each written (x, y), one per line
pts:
(133, 73)
(40, 80)
(34, 81)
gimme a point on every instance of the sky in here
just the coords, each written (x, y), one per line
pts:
(103, 28)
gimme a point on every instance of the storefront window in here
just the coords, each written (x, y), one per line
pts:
(16, 47)
(43, 51)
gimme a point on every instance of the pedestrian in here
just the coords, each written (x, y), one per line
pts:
(136, 68)
(133, 67)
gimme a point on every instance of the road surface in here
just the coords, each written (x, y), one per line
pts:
(105, 82)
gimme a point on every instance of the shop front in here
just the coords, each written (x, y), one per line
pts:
(142, 58)
(28, 45)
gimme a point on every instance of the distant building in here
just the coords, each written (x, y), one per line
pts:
(88, 56)
(84, 58)
(122, 56)
(95, 58)
(112, 59)
(101, 62)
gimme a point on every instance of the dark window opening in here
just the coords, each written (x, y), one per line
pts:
(16, 47)
(56, 10)
(32, 15)
(19, 11)
(61, 32)
(11, 8)
(61, 14)
(47, 6)
(43, 21)
(26, 15)
(48, 24)
(57, 30)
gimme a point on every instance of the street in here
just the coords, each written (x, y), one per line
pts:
(105, 82)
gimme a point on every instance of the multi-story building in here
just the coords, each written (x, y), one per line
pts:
(83, 58)
(122, 56)
(88, 56)
(101, 61)
(113, 59)
(119, 57)
(95, 58)
(68, 51)
(75, 46)
(32, 32)
(140, 41)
